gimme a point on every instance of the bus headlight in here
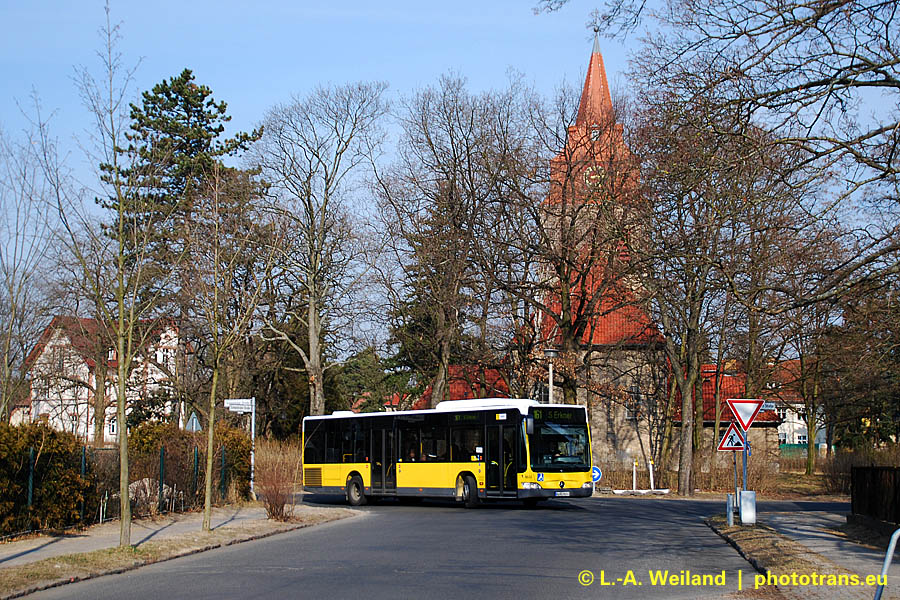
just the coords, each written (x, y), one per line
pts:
(587, 486)
(531, 485)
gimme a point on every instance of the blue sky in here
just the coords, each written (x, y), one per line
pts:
(254, 55)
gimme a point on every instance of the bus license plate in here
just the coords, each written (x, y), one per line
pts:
(563, 493)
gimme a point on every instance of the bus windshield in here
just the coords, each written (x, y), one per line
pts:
(559, 441)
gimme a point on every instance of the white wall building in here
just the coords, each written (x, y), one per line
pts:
(63, 368)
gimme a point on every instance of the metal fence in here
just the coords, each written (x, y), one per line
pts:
(167, 480)
(875, 492)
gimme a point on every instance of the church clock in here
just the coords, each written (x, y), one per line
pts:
(594, 175)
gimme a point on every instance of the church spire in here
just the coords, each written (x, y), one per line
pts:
(596, 104)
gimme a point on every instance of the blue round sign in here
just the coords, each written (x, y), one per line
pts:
(596, 474)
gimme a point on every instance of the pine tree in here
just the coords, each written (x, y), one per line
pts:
(175, 141)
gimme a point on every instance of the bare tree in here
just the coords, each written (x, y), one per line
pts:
(312, 154)
(232, 250)
(434, 201)
(815, 75)
(570, 200)
(133, 311)
(25, 235)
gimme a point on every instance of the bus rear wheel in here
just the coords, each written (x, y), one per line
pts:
(469, 492)
(355, 496)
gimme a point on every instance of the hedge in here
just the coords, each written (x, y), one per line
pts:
(60, 494)
(58, 487)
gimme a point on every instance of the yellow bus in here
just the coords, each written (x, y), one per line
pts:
(470, 450)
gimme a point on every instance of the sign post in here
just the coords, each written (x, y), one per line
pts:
(733, 440)
(243, 406)
(745, 411)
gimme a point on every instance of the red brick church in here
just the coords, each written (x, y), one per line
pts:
(593, 315)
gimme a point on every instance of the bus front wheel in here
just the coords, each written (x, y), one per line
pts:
(470, 492)
(355, 496)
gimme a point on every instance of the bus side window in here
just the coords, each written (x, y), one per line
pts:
(434, 444)
(347, 442)
(409, 443)
(360, 445)
(332, 442)
(467, 440)
(314, 452)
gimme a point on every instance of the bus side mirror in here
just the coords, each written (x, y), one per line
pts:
(529, 425)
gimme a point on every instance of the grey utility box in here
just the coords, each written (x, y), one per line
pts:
(748, 507)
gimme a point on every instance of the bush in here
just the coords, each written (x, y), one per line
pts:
(237, 459)
(278, 468)
(58, 488)
(146, 440)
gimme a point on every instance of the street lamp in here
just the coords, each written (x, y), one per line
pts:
(550, 354)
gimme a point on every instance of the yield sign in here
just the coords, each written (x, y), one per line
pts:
(732, 440)
(745, 410)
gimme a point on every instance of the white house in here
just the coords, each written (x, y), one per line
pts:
(790, 407)
(63, 371)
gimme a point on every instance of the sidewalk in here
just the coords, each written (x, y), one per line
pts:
(813, 529)
(103, 536)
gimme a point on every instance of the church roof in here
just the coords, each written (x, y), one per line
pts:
(596, 103)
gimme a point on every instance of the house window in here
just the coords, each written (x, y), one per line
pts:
(633, 404)
(41, 389)
(112, 426)
(59, 358)
(782, 438)
(782, 413)
(801, 438)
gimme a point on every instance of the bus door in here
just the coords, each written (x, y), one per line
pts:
(384, 474)
(500, 461)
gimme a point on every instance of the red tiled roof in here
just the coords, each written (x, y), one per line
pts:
(85, 337)
(731, 385)
(467, 382)
(614, 322)
(83, 334)
(786, 377)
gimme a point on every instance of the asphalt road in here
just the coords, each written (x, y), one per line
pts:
(438, 549)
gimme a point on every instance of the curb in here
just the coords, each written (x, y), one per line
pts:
(753, 562)
(144, 563)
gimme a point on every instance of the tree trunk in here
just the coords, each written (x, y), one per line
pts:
(698, 413)
(810, 443)
(99, 399)
(314, 366)
(124, 492)
(666, 444)
(812, 407)
(439, 384)
(210, 449)
(686, 456)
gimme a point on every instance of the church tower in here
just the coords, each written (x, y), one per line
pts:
(596, 320)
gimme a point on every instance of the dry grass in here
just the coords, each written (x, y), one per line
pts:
(861, 534)
(792, 485)
(773, 551)
(20, 579)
